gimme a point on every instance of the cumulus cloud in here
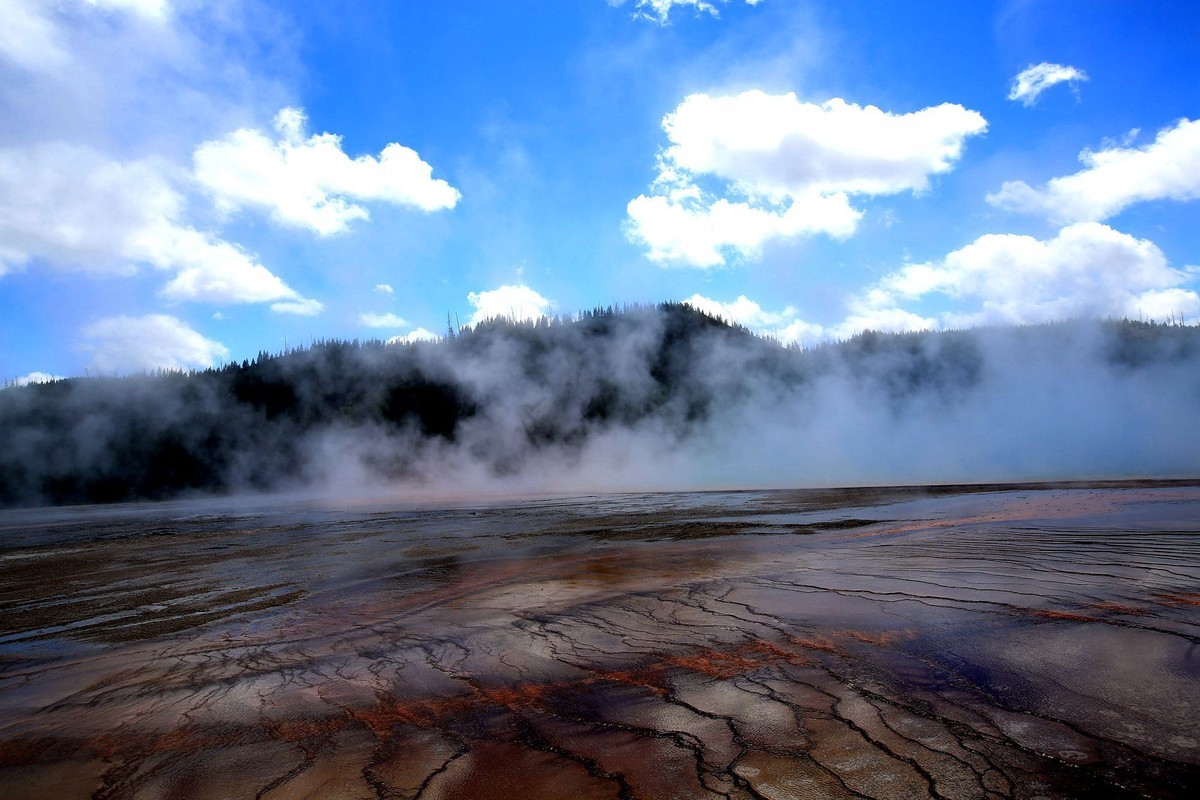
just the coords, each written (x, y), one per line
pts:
(1035, 79)
(384, 288)
(155, 341)
(70, 207)
(1115, 178)
(1087, 270)
(309, 181)
(785, 326)
(512, 302)
(418, 335)
(388, 320)
(741, 170)
(660, 10)
(866, 317)
(875, 311)
(688, 231)
(36, 377)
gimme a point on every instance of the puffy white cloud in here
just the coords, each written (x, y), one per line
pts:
(512, 302)
(780, 146)
(36, 377)
(73, 208)
(310, 182)
(1115, 178)
(783, 168)
(785, 325)
(1087, 270)
(384, 288)
(77, 209)
(213, 271)
(743, 311)
(155, 341)
(863, 317)
(660, 10)
(1035, 79)
(418, 335)
(875, 311)
(694, 234)
(388, 320)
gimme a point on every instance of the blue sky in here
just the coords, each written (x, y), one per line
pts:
(187, 182)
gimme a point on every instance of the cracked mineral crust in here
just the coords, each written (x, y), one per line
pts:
(953, 642)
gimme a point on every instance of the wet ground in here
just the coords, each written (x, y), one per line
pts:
(994, 642)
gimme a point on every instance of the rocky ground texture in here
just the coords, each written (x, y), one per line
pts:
(970, 642)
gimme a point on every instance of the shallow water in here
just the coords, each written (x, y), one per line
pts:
(1017, 642)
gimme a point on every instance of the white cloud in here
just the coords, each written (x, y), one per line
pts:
(418, 335)
(786, 326)
(693, 234)
(1087, 270)
(80, 210)
(213, 271)
(36, 377)
(660, 10)
(155, 341)
(31, 36)
(129, 77)
(310, 182)
(150, 9)
(1115, 178)
(1034, 80)
(743, 311)
(783, 168)
(384, 288)
(303, 306)
(28, 38)
(388, 320)
(75, 209)
(863, 317)
(516, 303)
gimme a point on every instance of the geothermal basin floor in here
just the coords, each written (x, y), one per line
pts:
(1025, 641)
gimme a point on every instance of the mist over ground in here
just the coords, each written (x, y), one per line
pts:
(639, 398)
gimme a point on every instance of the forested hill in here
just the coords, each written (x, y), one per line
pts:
(650, 397)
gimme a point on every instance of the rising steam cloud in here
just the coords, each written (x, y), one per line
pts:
(654, 398)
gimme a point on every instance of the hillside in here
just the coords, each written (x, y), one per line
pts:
(648, 397)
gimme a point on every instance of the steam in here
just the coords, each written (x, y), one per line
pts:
(663, 398)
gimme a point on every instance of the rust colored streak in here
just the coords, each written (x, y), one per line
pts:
(822, 645)
(885, 639)
(715, 664)
(648, 678)
(1179, 598)
(1115, 607)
